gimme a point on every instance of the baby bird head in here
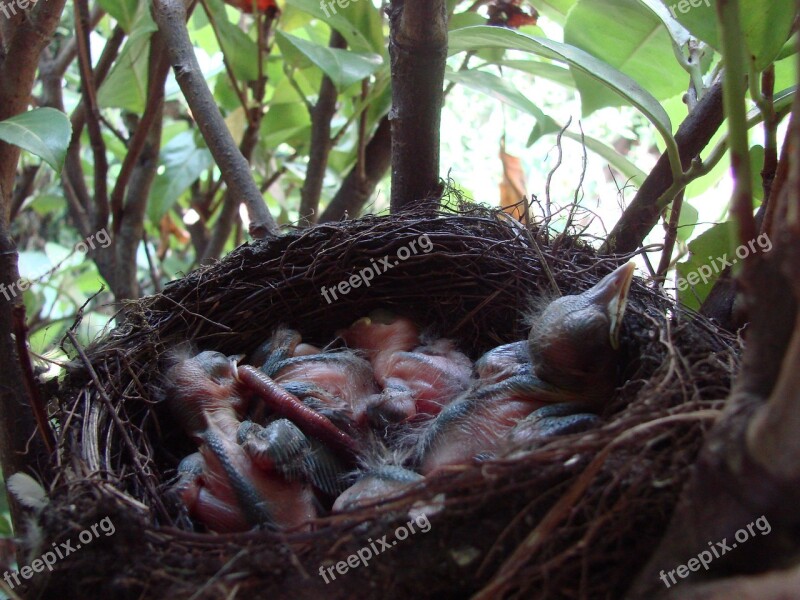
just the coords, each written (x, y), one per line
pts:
(573, 343)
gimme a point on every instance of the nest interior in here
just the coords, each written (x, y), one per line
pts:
(576, 517)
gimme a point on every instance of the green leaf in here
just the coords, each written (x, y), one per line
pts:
(631, 38)
(697, 275)
(756, 166)
(539, 68)
(339, 20)
(555, 10)
(126, 84)
(503, 90)
(44, 132)
(240, 51)
(766, 24)
(471, 38)
(343, 67)
(183, 163)
(123, 11)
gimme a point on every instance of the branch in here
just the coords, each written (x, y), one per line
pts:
(355, 191)
(171, 18)
(643, 212)
(321, 144)
(418, 49)
(144, 148)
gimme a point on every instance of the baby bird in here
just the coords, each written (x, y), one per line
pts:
(415, 378)
(570, 357)
(220, 485)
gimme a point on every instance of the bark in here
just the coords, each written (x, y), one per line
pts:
(321, 143)
(24, 38)
(171, 18)
(418, 49)
(643, 212)
(355, 190)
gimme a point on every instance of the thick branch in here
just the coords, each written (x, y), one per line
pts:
(418, 49)
(171, 18)
(321, 145)
(355, 191)
(643, 213)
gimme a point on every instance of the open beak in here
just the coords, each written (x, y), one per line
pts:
(611, 293)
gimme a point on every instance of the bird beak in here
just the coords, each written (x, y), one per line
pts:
(611, 293)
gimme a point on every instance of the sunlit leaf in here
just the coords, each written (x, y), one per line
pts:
(342, 66)
(471, 38)
(503, 90)
(629, 37)
(183, 163)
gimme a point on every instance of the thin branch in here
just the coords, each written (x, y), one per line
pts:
(321, 145)
(171, 18)
(89, 96)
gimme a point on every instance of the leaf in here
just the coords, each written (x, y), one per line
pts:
(339, 20)
(697, 275)
(342, 66)
(471, 38)
(45, 132)
(512, 188)
(766, 25)
(126, 84)
(503, 90)
(539, 68)
(556, 10)
(240, 51)
(629, 37)
(183, 162)
(123, 11)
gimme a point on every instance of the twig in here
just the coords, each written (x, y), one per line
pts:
(29, 379)
(171, 18)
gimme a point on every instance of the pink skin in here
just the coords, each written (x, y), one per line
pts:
(286, 405)
(433, 375)
(480, 431)
(416, 378)
(372, 488)
(205, 401)
(346, 378)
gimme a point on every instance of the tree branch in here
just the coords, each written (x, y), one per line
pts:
(355, 191)
(171, 18)
(418, 49)
(643, 212)
(321, 144)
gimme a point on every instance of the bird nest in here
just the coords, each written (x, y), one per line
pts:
(576, 517)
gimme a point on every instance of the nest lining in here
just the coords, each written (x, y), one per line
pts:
(574, 518)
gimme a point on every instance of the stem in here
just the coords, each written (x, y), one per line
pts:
(733, 93)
